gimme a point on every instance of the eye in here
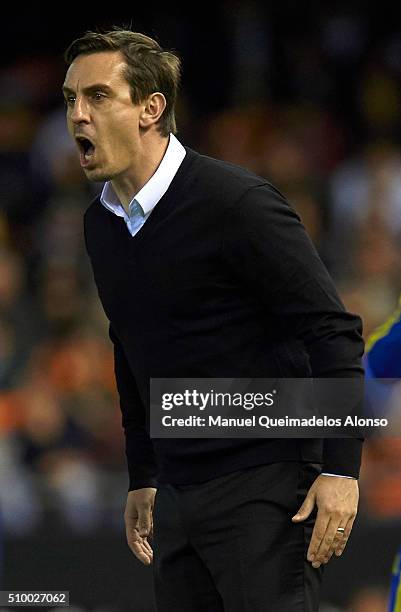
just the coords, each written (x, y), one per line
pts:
(98, 95)
(69, 100)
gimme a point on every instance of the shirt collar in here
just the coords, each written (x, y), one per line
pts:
(155, 188)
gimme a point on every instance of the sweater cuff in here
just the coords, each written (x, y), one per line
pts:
(141, 477)
(342, 456)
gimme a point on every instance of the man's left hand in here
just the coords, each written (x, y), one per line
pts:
(337, 502)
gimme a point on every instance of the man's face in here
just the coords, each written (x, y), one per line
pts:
(101, 116)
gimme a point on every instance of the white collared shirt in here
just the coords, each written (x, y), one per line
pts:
(151, 192)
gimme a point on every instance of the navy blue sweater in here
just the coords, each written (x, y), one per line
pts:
(221, 281)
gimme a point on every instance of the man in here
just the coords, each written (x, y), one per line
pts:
(204, 270)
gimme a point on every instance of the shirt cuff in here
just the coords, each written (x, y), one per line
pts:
(339, 475)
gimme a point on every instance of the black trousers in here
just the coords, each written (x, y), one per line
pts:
(229, 545)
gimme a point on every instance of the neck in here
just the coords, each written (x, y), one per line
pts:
(145, 164)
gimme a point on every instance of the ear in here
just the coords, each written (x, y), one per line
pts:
(152, 109)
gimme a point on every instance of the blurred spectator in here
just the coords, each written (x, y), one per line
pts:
(20, 506)
(19, 319)
(366, 193)
(369, 600)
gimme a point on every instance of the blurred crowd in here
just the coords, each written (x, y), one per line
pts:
(316, 112)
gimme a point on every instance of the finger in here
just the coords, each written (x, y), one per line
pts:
(306, 508)
(135, 541)
(144, 520)
(339, 537)
(326, 548)
(318, 533)
(141, 553)
(137, 546)
(147, 546)
(343, 542)
(145, 557)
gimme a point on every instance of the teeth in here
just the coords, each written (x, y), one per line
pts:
(89, 152)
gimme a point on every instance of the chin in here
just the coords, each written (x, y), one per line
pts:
(97, 176)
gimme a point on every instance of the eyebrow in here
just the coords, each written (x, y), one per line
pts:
(89, 89)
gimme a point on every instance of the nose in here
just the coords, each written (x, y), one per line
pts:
(80, 112)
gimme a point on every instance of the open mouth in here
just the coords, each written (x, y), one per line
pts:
(86, 149)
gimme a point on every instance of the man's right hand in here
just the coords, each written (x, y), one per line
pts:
(138, 518)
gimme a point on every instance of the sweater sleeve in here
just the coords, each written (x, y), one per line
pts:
(141, 461)
(267, 247)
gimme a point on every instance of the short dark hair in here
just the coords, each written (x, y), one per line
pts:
(149, 68)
